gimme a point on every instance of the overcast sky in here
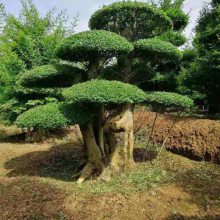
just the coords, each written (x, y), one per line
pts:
(87, 7)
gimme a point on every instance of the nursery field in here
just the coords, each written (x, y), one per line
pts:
(37, 181)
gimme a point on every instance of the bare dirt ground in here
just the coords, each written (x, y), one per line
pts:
(37, 181)
(192, 137)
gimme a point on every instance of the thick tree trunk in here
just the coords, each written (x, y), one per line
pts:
(94, 163)
(28, 136)
(121, 156)
(106, 155)
(101, 132)
(93, 69)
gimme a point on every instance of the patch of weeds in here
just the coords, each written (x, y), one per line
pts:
(61, 216)
(144, 177)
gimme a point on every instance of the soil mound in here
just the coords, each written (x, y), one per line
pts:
(192, 137)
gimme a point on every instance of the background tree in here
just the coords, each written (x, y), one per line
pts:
(201, 79)
(107, 104)
(166, 79)
(27, 41)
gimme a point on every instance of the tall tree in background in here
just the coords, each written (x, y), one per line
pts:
(27, 41)
(202, 78)
(166, 78)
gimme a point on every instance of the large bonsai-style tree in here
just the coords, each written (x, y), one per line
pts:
(104, 108)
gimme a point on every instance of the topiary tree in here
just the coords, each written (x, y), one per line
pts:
(93, 48)
(164, 22)
(104, 108)
(42, 85)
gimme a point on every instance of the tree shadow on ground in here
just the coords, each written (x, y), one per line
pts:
(20, 137)
(182, 217)
(202, 183)
(62, 162)
(15, 138)
(143, 155)
(29, 198)
(59, 162)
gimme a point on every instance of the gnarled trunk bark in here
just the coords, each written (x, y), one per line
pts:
(121, 155)
(94, 163)
(106, 155)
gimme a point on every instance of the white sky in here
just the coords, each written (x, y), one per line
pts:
(85, 8)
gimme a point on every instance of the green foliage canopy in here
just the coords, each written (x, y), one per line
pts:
(34, 37)
(48, 76)
(201, 77)
(175, 38)
(178, 17)
(54, 115)
(168, 99)
(93, 44)
(43, 116)
(26, 41)
(103, 91)
(152, 48)
(146, 21)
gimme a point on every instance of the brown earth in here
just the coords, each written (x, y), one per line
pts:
(192, 137)
(37, 182)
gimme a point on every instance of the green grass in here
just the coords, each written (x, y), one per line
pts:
(144, 177)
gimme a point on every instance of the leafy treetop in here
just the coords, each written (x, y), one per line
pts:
(33, 37)
(89, 45)
(175, 38)
(156, 48)
(168, 99)
(103, 91)
(178, 17)
(48, 76)
(146, 20)
(43, 116)
(54, 115)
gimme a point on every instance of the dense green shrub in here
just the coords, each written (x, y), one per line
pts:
(28, 39)
(43, 116)
(152, 48)
(178, 17)
(209, 39)
(93, 44)
(25, 94)
(55, 115)
(189, 55)
(175, 38)
(49, 76)
(103, 91)
(78, 114)
(118, 16)
(168, 99)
